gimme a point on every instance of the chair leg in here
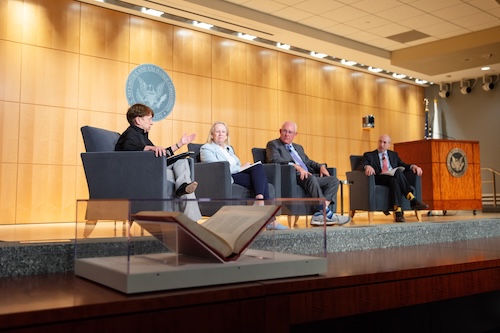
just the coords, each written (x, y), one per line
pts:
(370, 217)
(89, 227)
(289, 218)
(418, 214)
(351, 213)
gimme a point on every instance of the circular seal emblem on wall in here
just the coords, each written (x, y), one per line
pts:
(457, 163)
(149, 84)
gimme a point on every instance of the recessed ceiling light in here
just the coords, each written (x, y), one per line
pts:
(485, 68)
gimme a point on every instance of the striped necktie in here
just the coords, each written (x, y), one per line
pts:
(296, 157)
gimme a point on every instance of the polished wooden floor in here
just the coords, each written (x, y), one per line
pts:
(444, 287)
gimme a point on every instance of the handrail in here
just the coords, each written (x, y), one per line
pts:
(493, 173)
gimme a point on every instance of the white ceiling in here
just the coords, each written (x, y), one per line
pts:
(442, 40)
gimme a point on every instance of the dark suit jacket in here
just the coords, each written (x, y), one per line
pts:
(276, 152)
(371, 158)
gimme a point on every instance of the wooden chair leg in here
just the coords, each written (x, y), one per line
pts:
(418, 214)
(89, 227)
(351, 213)
(370, 217)
(289, 218)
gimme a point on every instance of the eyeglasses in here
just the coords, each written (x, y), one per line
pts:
(287, 132)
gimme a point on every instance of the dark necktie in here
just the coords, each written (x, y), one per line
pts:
(296, 157)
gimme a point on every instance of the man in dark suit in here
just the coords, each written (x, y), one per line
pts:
(313, 177)
(381, 163)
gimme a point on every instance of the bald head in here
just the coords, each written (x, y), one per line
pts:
(384, 142)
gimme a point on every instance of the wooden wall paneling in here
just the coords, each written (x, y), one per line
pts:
(319, 79)
(262, 67)
(102, 85)
(105, 33)
(239, 141)
(49, 77)
(259, 138)
(323, 150)
(46, 193)
(368, 89)
(229, 59)
(193, 98)
(11, 20)
(162, 133)
(200, 129)
(319, 114)
(10, 71)
(52, 24)
(229, 103)
(292, 107)
(8, 191)
(338, 118)
(291, 73)
(151, 42)
(192, 52)
(262, 108)
(9, 132)
(47, 135)
(342, 85)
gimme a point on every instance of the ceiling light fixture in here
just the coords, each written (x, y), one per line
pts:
(202, 25)
(348, 62)
(153, 12)
(375, 69)
(489, 82)
(283, 46)
(444, 90)
(466, 85)
(318, 55)
(398, 76)
(246, 36)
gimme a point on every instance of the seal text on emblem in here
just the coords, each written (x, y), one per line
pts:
(457, 163)
(149, 84)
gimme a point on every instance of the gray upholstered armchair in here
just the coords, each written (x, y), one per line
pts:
(114, 175)
(290, 188)
(214, 182)
(365, 195)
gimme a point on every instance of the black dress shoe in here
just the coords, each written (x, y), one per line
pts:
(417, 205)
(400, 218)
(186, 189)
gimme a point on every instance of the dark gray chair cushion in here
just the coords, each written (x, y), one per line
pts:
(289, 186)
(214, 182)
(365, 195)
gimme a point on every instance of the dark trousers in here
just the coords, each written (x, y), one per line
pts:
(253, 179)
(320, 187)
(398, 185)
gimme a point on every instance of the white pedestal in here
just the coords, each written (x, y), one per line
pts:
(153, 272)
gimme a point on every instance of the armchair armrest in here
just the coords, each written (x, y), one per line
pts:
(273, 174)
(360, 189)
(115, 175)
(214, 180)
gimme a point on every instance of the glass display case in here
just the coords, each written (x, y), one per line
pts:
(147, 245)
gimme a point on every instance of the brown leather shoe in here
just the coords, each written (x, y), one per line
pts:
(417, 205)
(400, 218)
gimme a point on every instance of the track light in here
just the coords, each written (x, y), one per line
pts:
(444, 90)
(489, 82)
(466, 85)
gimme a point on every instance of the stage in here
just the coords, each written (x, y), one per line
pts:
(451, 285)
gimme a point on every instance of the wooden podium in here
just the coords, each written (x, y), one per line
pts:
(451, 177)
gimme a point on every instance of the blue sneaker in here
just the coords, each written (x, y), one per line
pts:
(276, 226)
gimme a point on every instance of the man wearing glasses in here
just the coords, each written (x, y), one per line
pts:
(313, 177)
